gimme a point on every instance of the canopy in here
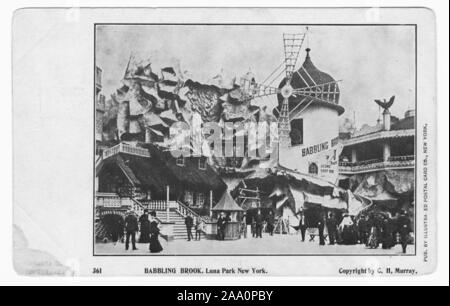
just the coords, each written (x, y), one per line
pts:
(334, 203)
(227, 203)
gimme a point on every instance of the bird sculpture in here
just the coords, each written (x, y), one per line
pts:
(386, 104)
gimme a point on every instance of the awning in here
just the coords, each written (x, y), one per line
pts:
(313, 199)
(334, 203)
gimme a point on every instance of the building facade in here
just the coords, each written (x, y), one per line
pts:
(379, 162)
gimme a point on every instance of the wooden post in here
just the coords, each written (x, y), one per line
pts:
(210, 203)
(167, 204)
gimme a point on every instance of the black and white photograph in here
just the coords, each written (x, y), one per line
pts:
(202, 145)
(229, 139)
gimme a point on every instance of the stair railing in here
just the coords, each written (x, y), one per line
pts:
(184, 210)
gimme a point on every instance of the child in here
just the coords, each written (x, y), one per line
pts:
(199, 228)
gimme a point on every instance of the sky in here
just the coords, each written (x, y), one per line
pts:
(372, 61)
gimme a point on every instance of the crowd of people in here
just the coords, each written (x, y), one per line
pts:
(148, 226)
(372, 229)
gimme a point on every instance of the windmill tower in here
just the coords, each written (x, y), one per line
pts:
(308, 107)
(294, 97)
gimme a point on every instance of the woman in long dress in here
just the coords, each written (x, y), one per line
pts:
(155, 245)
(145, 228)
(373, 241)
(387, 234)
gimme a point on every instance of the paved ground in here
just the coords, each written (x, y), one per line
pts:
(278, 245)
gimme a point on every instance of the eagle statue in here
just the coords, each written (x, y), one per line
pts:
(386, 104)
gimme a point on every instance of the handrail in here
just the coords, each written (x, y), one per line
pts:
(182, 208)
(125, 148)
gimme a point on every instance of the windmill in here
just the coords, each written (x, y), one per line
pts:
(313, 89)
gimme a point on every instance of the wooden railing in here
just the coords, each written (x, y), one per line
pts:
(158, 205)
(125, 148)
(111, 200)
(114, 201)
(394, 162)
(184, 210)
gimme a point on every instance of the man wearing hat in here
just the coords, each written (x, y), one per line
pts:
(131, 227)
(303, 225)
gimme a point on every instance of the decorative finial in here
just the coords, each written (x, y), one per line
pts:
(307, 52)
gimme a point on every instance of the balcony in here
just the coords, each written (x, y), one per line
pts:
(394, 162)
(124, 148)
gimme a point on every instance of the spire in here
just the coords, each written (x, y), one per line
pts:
(307, 52)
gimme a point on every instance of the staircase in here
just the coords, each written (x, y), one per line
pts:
(100, 230)
(179, 231)
(177, 212)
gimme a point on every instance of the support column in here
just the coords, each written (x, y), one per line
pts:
(148, 135)
(167, 204)
(386, 120)
(210, 203)
(386, 151)
(354, 156)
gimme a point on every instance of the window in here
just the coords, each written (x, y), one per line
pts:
(202, 163)
(200, 200)
(297, 132)
(313, 169)
(180, 161)
(189, 198)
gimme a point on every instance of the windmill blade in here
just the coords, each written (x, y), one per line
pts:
(255, 90)
(325, 92)
(292, 47)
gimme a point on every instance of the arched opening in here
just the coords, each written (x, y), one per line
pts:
(114, 226)
(313, 169)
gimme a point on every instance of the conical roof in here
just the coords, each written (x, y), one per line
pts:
(227, 203)
(309, 76)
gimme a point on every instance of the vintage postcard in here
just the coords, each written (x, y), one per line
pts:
(233, 142)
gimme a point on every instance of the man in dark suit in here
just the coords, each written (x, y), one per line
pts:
(189, 221)
(321, 227)
(303, 224)
(259, 219)
(221, 226)
(332, 228)
(405, 229)
(131, 226)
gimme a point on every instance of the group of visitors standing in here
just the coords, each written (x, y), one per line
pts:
(257, 224)
(379, 229)
(148, 227)
(373, 229)
(198, 224)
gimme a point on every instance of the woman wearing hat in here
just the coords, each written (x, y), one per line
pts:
(145, 228)
(155, 245)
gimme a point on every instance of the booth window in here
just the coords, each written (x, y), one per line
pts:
(202, 163)
(180, 161)
(297, 132)
(313, 169)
